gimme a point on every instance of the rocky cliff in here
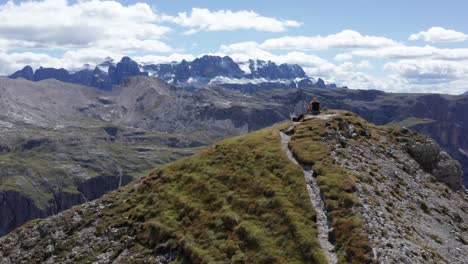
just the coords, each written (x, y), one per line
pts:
(332, 188)
(17, 208)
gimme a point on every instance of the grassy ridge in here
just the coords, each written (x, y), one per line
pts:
(241, 201)
(337, 184)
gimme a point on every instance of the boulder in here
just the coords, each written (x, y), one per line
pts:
(425, 153)
(449, 171)
(437, 162)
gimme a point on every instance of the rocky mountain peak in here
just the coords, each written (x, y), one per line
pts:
(321, 83)
(212, 66)
(124, 69)
(104, 66)
(224, 71)
(271, 71)
(25, 73)
(51, 73)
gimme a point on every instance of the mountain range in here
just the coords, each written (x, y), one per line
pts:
(77, 142)
(247, 76)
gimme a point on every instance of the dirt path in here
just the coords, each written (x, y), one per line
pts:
(317, 202)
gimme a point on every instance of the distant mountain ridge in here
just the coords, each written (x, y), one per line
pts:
(224, 71)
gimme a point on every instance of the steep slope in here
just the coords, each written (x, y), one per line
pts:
(244, 200)
(392, 186)
(49, 103)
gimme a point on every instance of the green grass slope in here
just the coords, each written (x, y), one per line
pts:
(240, 201)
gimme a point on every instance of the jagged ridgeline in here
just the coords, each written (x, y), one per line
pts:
(243, 200)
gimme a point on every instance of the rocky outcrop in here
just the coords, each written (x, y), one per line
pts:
(16, 209)
(426, 153)
(448, 171)
(437, 162)
(35, 143)
(98, 186)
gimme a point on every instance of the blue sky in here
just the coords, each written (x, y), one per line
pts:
(401, 46)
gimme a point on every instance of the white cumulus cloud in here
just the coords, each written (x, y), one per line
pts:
(439, 34)
(60, 24)
(407, 52)
(202, 19)
(346, 39)
(429, 71)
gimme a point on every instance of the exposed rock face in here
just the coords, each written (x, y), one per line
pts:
(102, 77)
(320, 83)
(98, 186)
(449, 171)
(271, 71)
(425, 153)
(95, 78)
(433, 160)
(16, 208)
(124, 69)
(209, 67)
(25, 73)
(51, 73)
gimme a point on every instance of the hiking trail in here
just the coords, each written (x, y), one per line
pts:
(316, 199)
